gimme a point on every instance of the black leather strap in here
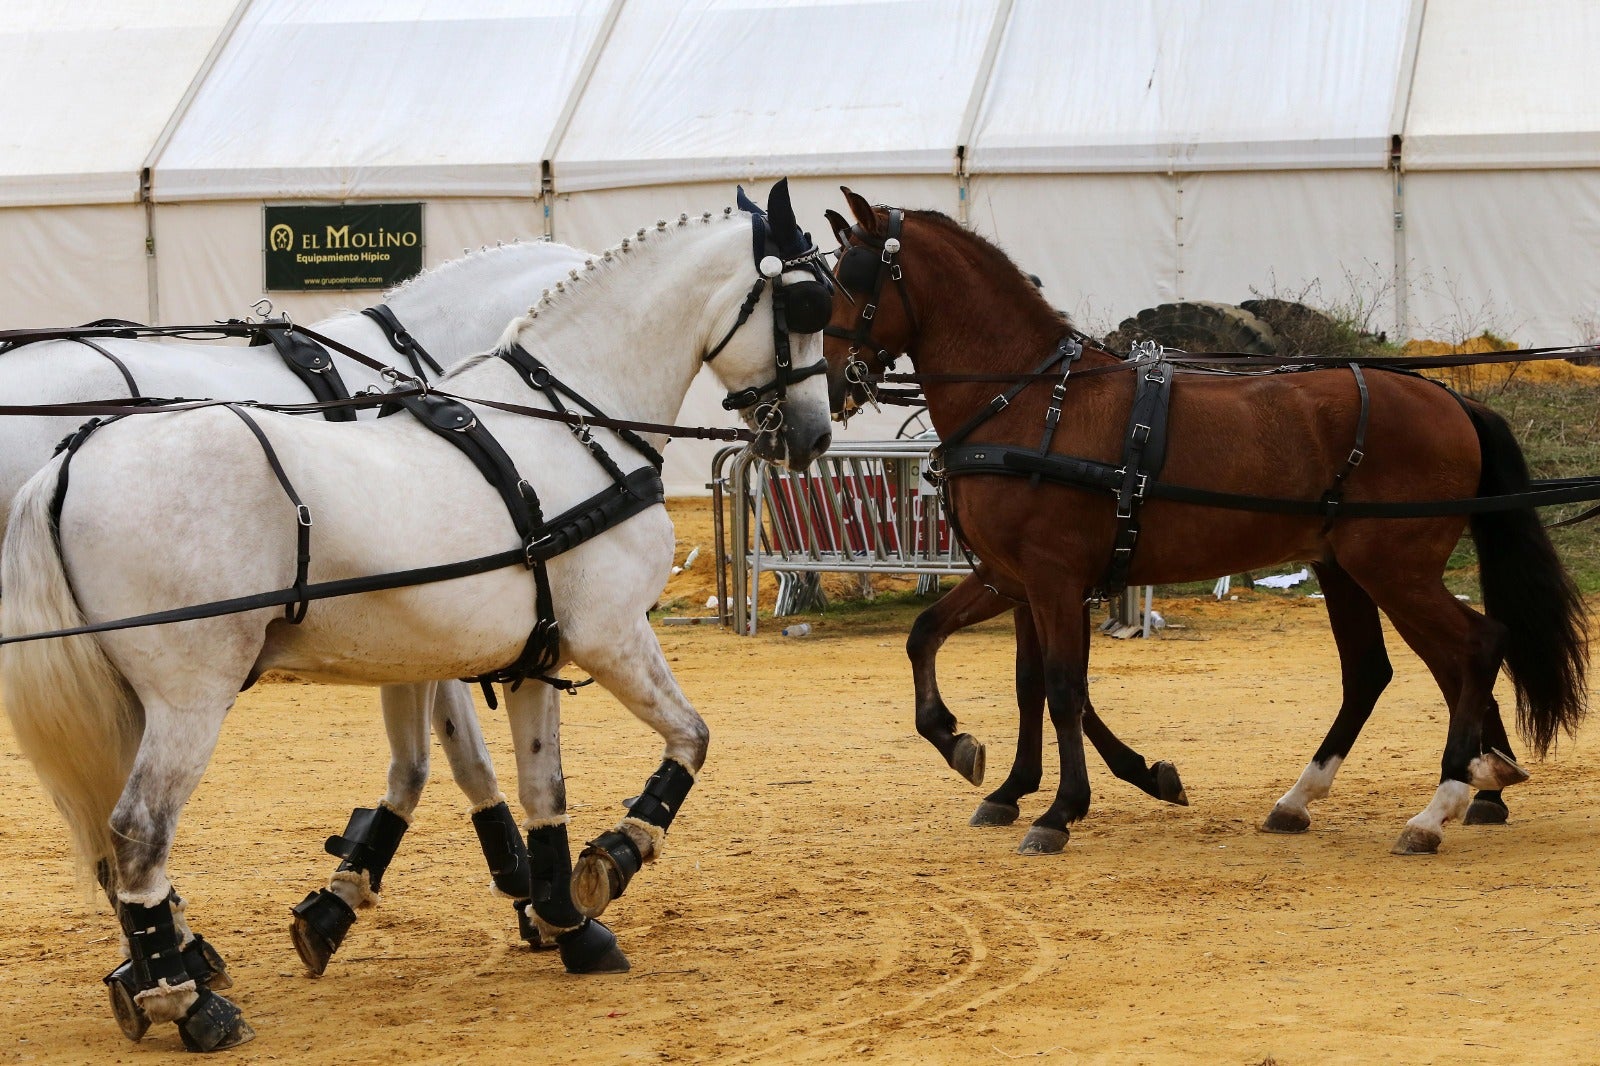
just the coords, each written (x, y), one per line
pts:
(294, 612)
(1144, 451)
(311, 363)
(1335, 494)
(401, 340)
(122, 368)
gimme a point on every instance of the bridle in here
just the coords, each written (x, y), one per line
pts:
(797, 307)
(866, 263)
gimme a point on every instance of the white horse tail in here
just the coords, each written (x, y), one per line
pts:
(75, 717)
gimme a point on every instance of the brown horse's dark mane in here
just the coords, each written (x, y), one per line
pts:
(993, 262)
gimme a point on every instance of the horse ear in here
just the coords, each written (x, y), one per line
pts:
(861, 209)
(780, 210)
(836, 222)
(744, 202)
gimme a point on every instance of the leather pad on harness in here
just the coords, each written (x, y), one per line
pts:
(311, 363)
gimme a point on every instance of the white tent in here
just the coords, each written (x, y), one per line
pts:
(1137, 152)
(452, 103)
(1502, 171)
(85, 92)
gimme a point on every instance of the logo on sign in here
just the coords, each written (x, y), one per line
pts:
(282, 238)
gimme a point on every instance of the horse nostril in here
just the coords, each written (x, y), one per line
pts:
(822, 442)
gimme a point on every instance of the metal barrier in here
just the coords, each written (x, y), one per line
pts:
(862, 508)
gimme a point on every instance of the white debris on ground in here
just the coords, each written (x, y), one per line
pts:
(1283, 581)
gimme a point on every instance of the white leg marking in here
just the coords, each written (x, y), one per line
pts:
(1450, 802)
(1315, 783)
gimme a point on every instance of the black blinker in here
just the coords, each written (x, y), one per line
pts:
(807, 306)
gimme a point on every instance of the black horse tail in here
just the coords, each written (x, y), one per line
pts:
(1526, 588)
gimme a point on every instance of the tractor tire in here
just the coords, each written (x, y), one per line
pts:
(1300, 330)
(1197, 327)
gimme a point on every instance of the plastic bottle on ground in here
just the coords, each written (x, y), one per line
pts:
(799, 630)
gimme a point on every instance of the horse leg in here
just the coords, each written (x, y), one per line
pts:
(1000, 806)
(1063, 629)
(372, 835)
(1463, 650)
(1364, 672)
(455, 722)
(547, 917)
(634, 670)
(156, 984)
(969, 603)
(1488, 806)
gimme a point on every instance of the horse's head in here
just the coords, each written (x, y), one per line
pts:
(774, 372)
(869, 329)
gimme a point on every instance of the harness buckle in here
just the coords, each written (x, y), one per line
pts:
(1138, 491)
(1052, 415)
(868, 311)
(1141, 433)
(302, 514)
(895, 274)
(1356, 455)
(999, 403)
(581, 430)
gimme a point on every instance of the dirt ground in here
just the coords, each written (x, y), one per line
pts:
(822, 898)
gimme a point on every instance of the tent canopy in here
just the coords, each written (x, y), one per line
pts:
(87, 88)
(1167, 85)
(371, 98)
(708, 90)
(1506, 86)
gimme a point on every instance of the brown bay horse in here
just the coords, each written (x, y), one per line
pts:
(974, 327)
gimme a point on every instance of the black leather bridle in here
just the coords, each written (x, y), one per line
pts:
(797, 307)
(865, 265)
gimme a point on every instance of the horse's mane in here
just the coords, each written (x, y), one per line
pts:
(992, 261)
(469, 259)
(598, 271)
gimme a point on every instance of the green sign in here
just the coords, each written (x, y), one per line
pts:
(341, 246)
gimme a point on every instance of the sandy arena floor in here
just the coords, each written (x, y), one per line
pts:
(823, 899)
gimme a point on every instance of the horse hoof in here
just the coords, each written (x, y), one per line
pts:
(595, 883)
(1414, 841)
(131, 1018)
(1486, 812)
(591, 948)
(1284, 820)
(1042, 840)
(1494, 770)
(1169, 786)
(320, 922)
(214, 1024)
(992, 813)
(968, 758)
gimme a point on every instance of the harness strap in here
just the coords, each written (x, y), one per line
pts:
(539, 377)
(294, 612)
(311, 363)
(122, 368)
(1012, 461)
(1335, 494)
(401, 340)
(1144, 452)
(746, 309)
(1052, 414)
(572, 527)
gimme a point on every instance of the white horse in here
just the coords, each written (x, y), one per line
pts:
(454, 310)
(120, 726)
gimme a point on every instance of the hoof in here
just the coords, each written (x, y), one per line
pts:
(1414, 841)
(591, 948)
(1169, 787)
(214, 1024)
(596, 881)
(1495, 770)
(992, 813)
(968, 758)
(1284, 820)
(1042, 840)
(1486, 812)
(131, 1018)
(320, 922)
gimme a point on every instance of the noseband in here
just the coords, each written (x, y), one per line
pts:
(867, 263)
(797, 307)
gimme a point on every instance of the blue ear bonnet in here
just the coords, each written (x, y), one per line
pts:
(808, 304)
